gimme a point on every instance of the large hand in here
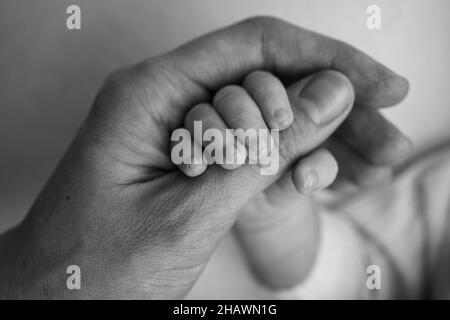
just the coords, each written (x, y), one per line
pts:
(116, 206)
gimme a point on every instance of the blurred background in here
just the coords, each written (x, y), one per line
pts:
(49, 76)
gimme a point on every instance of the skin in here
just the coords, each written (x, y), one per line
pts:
(270, 232)
(280, 230)
(117, 207)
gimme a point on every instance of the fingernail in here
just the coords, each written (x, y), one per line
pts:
(262, 148)
(282, 118)
(310, 180)
(241, 153)
(326, 97)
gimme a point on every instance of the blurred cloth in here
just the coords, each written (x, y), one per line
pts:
(402, 227)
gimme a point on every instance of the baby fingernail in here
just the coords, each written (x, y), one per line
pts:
(282, 118)
(310, 180)
(241, 153)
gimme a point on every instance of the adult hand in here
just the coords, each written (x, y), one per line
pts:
(119, 209)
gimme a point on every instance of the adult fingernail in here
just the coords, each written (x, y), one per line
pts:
(326, 96)
(283, 118)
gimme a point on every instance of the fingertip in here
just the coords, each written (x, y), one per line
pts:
(282, 119)
(193, 170)
(316, 171)
(396, 151)
(197, 165)
(388, 90)
(271, 97)
(305, 179)
(397, 88)
(403, 85)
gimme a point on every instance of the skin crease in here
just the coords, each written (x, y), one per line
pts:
(118, 208)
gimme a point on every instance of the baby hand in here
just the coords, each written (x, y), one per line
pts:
(255, 111)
